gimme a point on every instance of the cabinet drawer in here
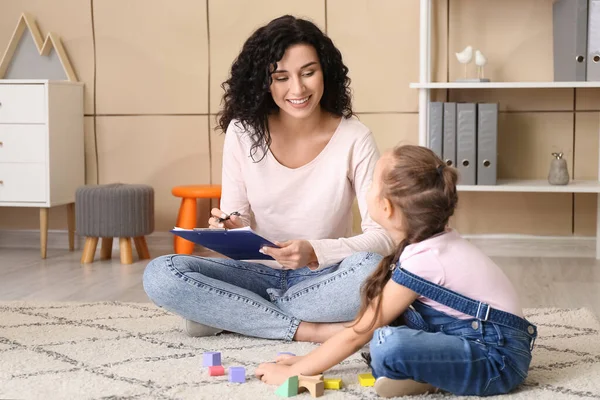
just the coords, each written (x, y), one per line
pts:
(22, 103)
(22, 182)
(22, 143)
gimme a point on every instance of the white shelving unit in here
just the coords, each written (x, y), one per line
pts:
(425, 86)
(504, 85)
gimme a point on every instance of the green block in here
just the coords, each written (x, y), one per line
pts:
(289, 388)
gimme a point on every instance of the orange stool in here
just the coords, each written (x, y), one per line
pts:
(187, 211)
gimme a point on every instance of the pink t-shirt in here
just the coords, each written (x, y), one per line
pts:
(453, 262)
(312, 202)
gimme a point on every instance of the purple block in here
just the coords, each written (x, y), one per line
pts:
(286, 352)
(211, 359)
(237, 374)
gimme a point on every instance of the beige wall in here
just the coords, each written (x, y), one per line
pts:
(153, 71)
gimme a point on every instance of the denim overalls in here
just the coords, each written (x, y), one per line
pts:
(486, 355)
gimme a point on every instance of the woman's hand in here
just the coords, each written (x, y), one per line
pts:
(293, 254)
(273, 374)
(233, 222)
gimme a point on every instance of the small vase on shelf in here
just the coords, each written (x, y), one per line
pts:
(559, 173)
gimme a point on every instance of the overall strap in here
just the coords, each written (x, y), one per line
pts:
(460, 303)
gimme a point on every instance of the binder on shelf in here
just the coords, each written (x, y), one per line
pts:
(593, 40)
(449, 144)
(238, 244)
(466, 143)
(570, 40)
(487, 143)
(436, 124)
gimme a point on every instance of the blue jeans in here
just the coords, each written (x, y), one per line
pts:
(255, 300)
(486, 355)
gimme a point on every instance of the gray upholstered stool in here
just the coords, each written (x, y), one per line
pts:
(114, 210)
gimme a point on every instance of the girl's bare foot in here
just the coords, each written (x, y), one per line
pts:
(317, 332)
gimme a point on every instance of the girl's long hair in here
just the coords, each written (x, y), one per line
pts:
(423, 189)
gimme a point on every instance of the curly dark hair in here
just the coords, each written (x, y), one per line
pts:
(247, 96)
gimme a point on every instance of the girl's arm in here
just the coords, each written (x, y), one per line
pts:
(395, 300)
(373, 237)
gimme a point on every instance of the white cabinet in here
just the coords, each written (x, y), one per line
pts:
(41, 147)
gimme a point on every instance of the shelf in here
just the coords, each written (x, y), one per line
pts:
(504, 85)
(535, 186)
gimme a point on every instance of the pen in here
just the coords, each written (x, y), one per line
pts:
(221, 220)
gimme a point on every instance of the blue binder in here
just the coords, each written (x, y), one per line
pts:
(237, 244)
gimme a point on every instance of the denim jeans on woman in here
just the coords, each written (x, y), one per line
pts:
(486, 355)
(255, 300)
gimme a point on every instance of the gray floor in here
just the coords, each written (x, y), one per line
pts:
(541, 282)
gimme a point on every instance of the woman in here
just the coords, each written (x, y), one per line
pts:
(294, 160)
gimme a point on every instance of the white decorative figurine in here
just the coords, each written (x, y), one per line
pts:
(464, 57)
(480, 61)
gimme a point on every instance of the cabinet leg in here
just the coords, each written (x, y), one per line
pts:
(106, 249)
(89, 250)
(142, 247)
(44, 231)
(71, 225)
(125, 249)
(598, 228)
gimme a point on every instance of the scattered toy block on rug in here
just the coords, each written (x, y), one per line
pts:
(314, 384)
(281, 353)
(216, 370)
(289, 388)
(211, 359)
(237, 374)
(318, 377)
(366, 380)
(332, 383)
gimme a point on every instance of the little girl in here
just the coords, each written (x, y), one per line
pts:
(438, 313)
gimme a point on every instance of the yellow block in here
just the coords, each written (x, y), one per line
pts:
(366, 380)
(333, 383)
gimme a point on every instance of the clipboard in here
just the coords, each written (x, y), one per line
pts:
(237, 244)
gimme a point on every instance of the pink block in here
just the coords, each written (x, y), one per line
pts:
(217, 370)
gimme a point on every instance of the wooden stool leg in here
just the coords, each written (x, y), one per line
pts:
(43, 231)
(186, 219)
(71, 225)
(142, 247)
(125, 248)
(89, 250)
(106, 250)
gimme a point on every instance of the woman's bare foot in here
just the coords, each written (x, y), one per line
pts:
(317, 332)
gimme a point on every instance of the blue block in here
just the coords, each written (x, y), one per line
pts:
(211, 359)
(237, 374)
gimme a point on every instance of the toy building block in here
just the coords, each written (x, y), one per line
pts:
(216, 370)
(366, 380)
(237, 374)
(332, 383)
(211, 359)
(314, 384)
(289, 388)
(318, 377)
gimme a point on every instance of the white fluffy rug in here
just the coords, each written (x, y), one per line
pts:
(134, 350)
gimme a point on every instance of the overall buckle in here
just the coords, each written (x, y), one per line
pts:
(487, 312)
